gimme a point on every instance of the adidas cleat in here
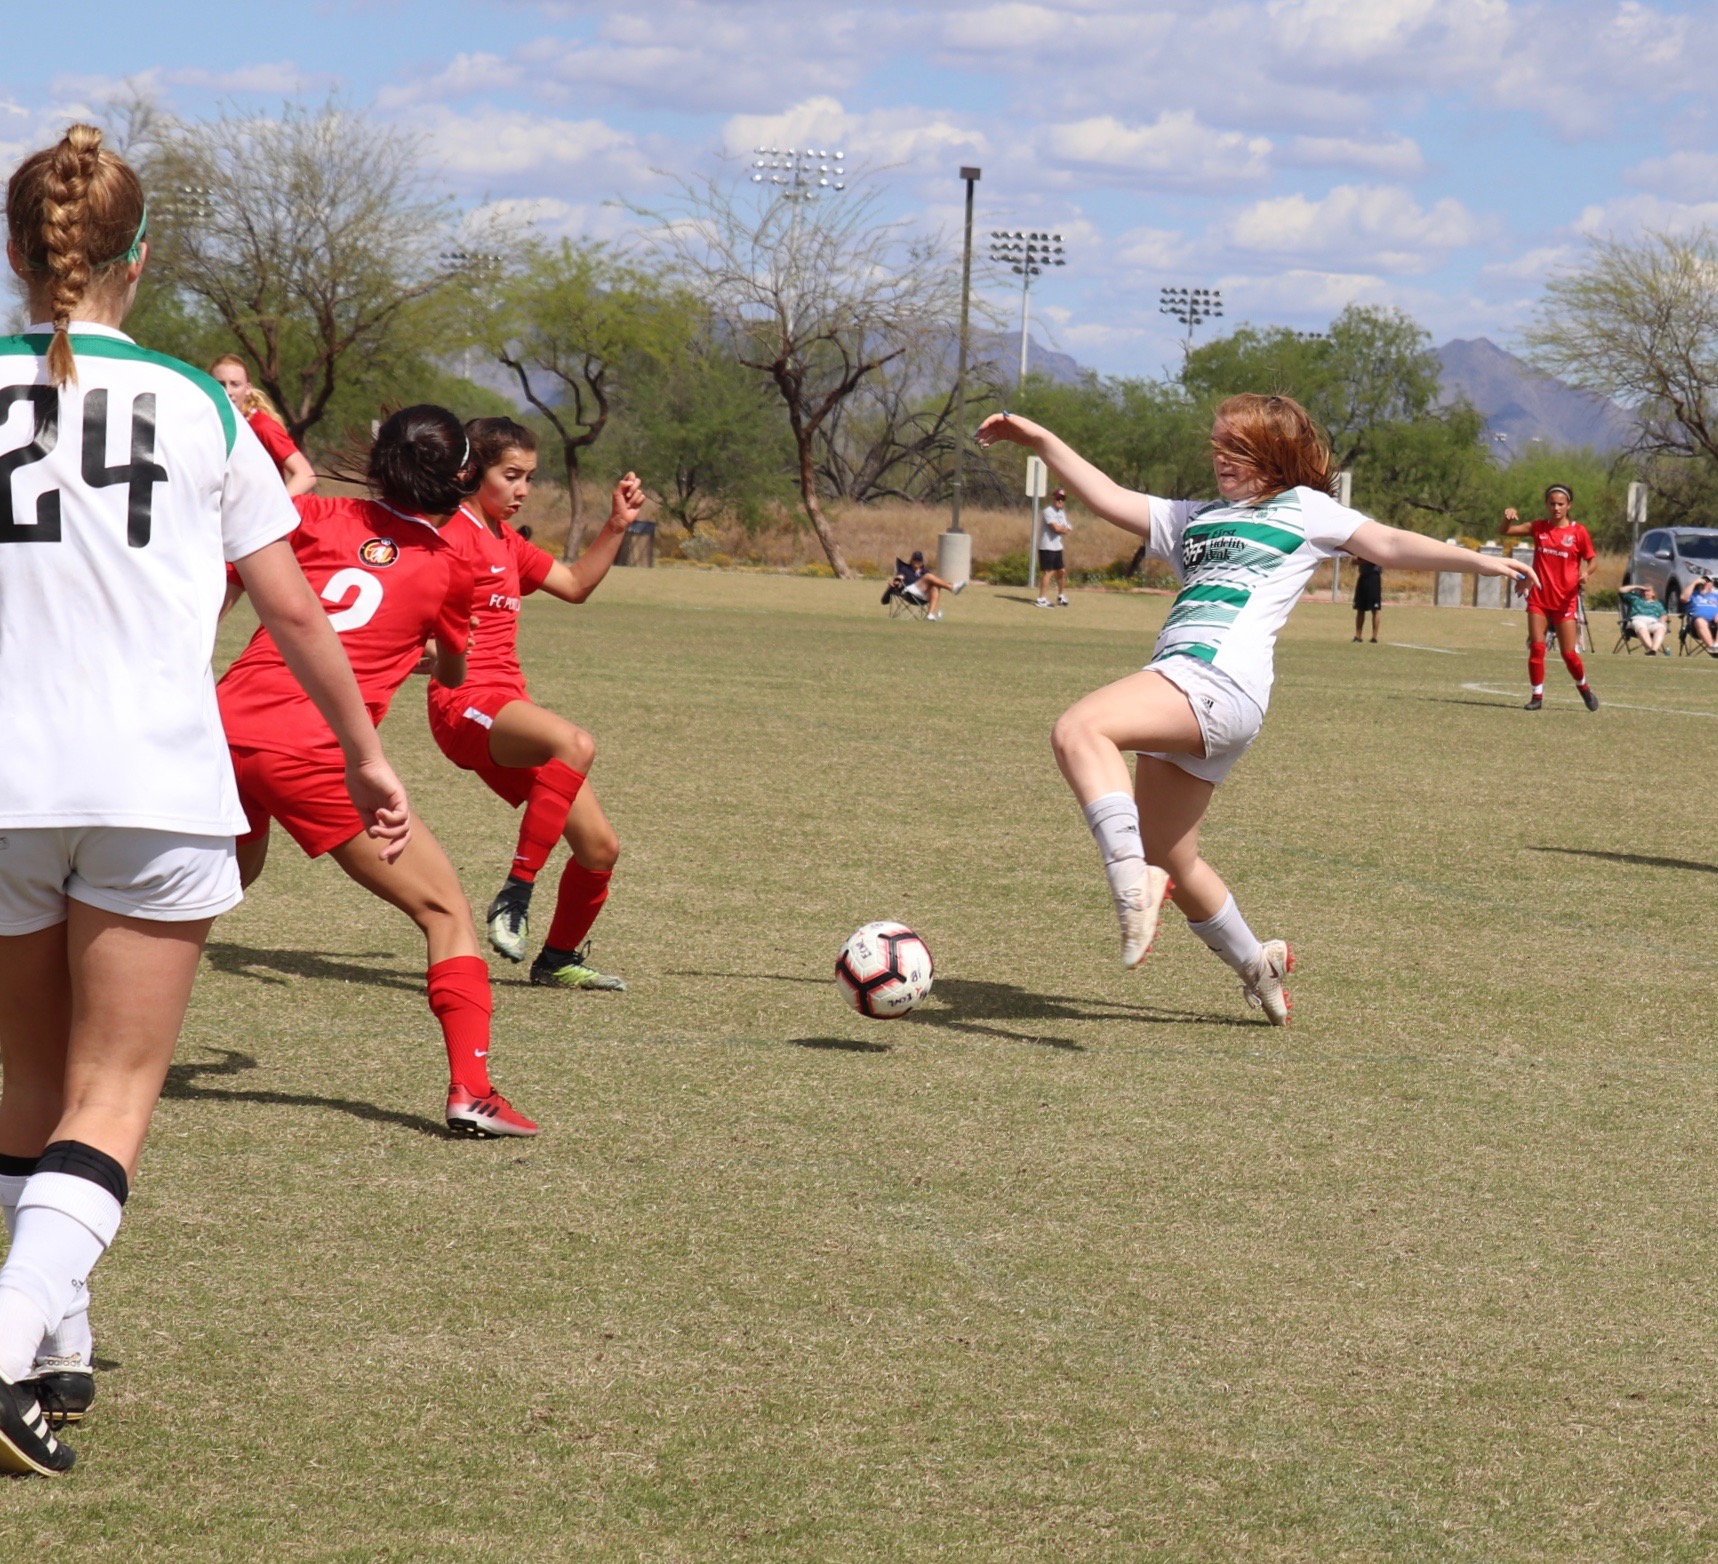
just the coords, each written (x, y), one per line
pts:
(486, 1118)
(509, 920)
(26, 1442)
(569, 969)
(1137, 910)
(63, 1387)
(1264, 987)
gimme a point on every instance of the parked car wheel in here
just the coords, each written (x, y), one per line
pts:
(1672, 598)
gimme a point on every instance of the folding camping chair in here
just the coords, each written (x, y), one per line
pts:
(901, 603)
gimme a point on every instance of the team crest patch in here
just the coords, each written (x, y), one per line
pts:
(379, 551)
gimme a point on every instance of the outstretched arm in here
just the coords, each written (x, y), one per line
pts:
(1396, 549)
(1513, 526)
(1099, 493)
(574, 583)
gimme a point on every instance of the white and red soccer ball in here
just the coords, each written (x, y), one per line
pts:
(885, 970)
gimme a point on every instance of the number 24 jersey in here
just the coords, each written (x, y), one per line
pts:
(123, 497)
(389, 581)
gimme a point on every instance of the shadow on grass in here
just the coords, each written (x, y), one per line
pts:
(848, 1045)
(1640, 860)
(330, 966)
(967, 1003)
(183, 1086)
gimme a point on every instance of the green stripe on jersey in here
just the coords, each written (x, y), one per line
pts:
(1279, 538)
(36, 345)
(1205, 654)
(1213, 594)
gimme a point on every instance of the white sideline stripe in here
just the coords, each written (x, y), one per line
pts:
(1660, 711)
(1409, 646)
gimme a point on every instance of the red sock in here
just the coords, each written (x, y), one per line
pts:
(546, 811)
(459, 995)
(1536, 663)
(577, 903)
(1577, 670)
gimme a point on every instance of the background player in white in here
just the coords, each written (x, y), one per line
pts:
(1052, 557)
(117, 802)
(1243, 560)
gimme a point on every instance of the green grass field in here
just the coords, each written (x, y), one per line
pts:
(1074, 1263)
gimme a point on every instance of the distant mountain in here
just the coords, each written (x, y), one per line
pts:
(1524, 404)
(1002, 348)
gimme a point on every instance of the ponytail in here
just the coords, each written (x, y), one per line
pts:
(64, 205)
(421, 461)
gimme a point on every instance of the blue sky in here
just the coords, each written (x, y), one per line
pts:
(1441, 155)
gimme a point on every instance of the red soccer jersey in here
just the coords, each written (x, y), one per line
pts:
(1557, 556)
(390, 581)
(508, 568)
(275, 440)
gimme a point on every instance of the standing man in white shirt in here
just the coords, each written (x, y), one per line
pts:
(1052, 529)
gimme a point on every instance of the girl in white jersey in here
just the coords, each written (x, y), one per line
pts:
(1243, 560)
(127, 486)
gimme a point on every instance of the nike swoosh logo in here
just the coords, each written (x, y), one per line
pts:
(496, 570)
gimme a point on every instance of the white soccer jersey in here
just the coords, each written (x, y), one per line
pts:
(122, 498)
(1242, 568)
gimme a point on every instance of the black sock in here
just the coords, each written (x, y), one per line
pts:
(516, 892)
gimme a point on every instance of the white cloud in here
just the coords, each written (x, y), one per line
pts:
(1379, 226)
(1688, 176)
(1645, 214)
(1175, 151)
(921, 141)
(490, 147)
(1152, 249)
(1396, 157)
(1533, 265)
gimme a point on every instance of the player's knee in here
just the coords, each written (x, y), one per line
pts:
(577, 749)
(600, 856)
(1069, 735)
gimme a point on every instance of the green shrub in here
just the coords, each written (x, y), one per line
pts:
(1604, 597)
(1011, 570)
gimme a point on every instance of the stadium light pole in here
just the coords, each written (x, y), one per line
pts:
(1027, 254)
(1192, 307)
(954, 547)
(798, 175)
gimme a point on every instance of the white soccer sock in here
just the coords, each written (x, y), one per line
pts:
(1114, 823)
(73, 1338)
(1227, 933)
(64, 1223)
(1539, 689)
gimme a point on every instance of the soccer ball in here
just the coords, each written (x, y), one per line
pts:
(885, 970)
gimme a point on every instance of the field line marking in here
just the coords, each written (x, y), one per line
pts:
(1410, 646)
(1660, 711)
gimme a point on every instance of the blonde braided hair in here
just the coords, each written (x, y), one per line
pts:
(65, 204)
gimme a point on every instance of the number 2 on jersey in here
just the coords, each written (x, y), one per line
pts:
(366, 593)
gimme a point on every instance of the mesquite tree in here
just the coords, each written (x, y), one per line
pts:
(812, 295)
(315, 239)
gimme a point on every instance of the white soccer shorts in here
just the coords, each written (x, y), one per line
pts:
(1229, 720)
(161, 876)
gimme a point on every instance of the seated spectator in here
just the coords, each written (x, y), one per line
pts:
(1703, 615)
(1644, 615)
(916, 582)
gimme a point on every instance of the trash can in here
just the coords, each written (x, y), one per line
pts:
(638, 547)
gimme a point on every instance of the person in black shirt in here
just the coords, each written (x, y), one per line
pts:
(1368, 597)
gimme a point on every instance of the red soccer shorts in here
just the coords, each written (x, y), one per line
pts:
(460, 720)
(308, 797)
(1556, 607)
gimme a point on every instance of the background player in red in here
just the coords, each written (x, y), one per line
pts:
(390, 579)
(231, 372)
(491, 726)
(1562, 559)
